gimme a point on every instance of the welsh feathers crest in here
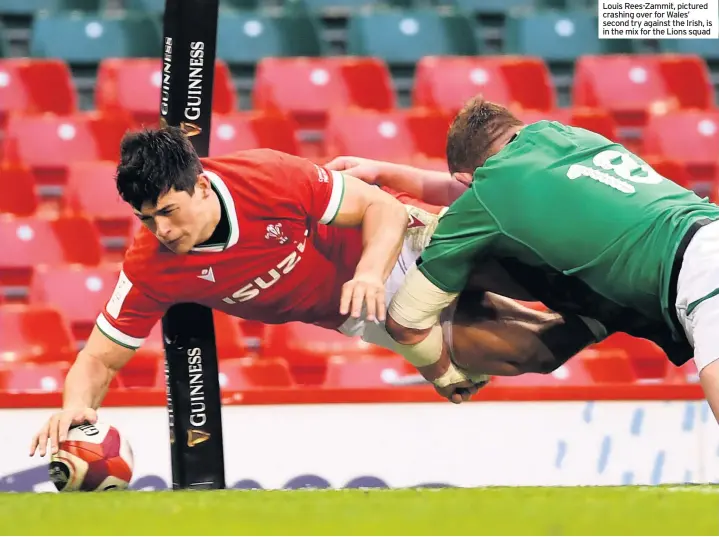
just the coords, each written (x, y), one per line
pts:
(274, 231)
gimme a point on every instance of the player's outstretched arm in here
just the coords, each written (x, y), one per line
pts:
(434, 187)
(85, 387)
(384, 222)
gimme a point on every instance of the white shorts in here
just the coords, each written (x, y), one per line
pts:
(698, 294)
(416, 239)
(374, 332)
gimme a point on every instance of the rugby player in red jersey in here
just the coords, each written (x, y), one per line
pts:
(260, 235)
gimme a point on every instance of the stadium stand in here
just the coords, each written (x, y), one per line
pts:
(29, 8)
(251, 129)
(19, 192)
(88, 38)
(488, 7)
(520, 82)
(31, 242)
(691, 137)
(132, 86)
(306, 88)
(395, 135)
(90, 191)
(367, 371)
(24, 83)
(33, 377)
(35, 334)
(633, 87)
(317, 78)
(63, 139)
(705, 48)
(558, 37)
(157, 7)
(245, 37)
(403, 37)
(59, 287)
(251, 373)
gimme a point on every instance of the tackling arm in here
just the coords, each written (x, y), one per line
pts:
(433, 187)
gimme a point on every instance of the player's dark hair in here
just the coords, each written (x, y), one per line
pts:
(153, 162)
(475, 129)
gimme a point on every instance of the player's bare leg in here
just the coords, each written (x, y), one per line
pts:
(494, 335)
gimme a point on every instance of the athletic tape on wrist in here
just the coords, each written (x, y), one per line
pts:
(452, 376)
(428, 352)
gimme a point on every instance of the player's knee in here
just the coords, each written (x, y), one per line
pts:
(395, 330)
(402, 334)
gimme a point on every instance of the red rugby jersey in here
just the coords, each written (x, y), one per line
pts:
(281, 263)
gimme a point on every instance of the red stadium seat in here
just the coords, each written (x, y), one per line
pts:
(671, 169)
(251, 373)
(307, 348)
(34, 334)
(688, 77)
(307, 88)
(48, 144)
(147, 366)
(691, 137)
(562, 115)
(645, 358)
(35, 86)
(91, 191)
(251, 130)
(608, 365)
(685, 374)
(593, 119)
(634, 86)
(146, 369)
(19, 194)
(132, 85)
(29, 243)
(228, 336)
(367, 371)
(396, 135)
(80, 292)
(29, 378)
(447, 82)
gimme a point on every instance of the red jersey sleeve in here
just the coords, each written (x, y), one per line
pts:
(129, 315)
(318, 190)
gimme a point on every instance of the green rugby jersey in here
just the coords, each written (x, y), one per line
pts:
(584, 224)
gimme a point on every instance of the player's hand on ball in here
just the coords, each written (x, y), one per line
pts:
(360, 290)
(56, 428)
(364, 169)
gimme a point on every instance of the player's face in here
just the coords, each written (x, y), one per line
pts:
(179, 220)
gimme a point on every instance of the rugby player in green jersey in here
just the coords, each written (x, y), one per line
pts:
(578, 222)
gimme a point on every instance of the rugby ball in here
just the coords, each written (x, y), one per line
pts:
(94, 457)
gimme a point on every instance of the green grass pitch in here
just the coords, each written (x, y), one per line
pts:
(690, 510)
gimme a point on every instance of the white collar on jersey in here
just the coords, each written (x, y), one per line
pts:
(229, 206)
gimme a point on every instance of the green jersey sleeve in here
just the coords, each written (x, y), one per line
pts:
(464, 234)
